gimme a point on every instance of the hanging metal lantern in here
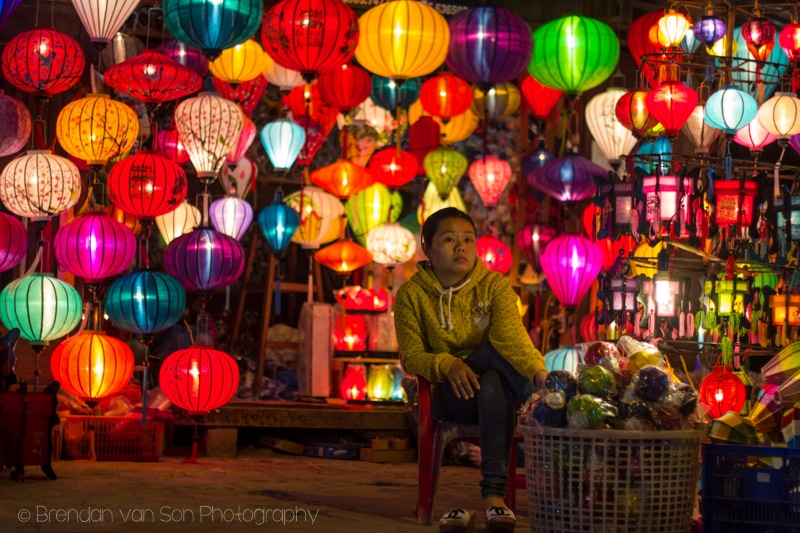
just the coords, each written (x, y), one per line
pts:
(204, 260)
(278, 223)
(239, 63)
(392, 167)
(146, 185)
(490, 176)
(445, 96)
(368, 209)
(613, 138)
(103, 19)
(153, 78)
(177, 222)
(342, 178)
(13, 242)
(444, 167)
(145, 302)
(282, 140)
(390, 95)
(186, 55)
(15, 125)
(391, 244)
(199, 379)
(571, 264)
(320, 216)
(495, 254)
(497, 102)
(231, 216)
(211, 25)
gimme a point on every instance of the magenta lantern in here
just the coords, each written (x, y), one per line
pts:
(171, 147)
(204, 259)
(495, 254)
(571, 264)
(13, 241)
(246, 139)
(199, 379)
(15, 125)
(490, 176)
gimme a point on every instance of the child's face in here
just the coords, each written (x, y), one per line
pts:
(453, 251)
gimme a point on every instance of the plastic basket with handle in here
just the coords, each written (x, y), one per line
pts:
(598, 481)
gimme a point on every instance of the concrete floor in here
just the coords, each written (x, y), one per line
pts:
(271, 492)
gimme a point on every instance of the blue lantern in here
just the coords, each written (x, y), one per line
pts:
(730, 109)
(278, 223)
(387, 94)
(564, 358)
(536, 159)
(213, 25)
(745, 71)
(283, 140)
(655, 157)
(145, 302)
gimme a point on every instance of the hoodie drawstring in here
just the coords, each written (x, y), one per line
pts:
(449, 292)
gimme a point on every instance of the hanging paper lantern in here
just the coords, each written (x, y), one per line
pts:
(240, 63)
(169, 145)
(94, 247)
(310, 36)
(354, 382)
(153, 78)
(13, 242)
(672, 28)
(780, 115)
(342, 178)
(494, 253)
(571, 264)
(789, 41)
(490, 176)
(570, 178)
(15, 125)
(344, 87)
(186, 55)
(390, 95)
(699, 131)
(459, 127)
(721, 391)
(541, 98)
(282, 140)
(368, 209)
(730, 109)
(231, 216)
(392, 167)
(445, 96)
(532, 239)
(92, 365)
(211, 25)
(709, 29)
(614, 140)
(96, 128)
(178, 222)
(671, 103)
(424, 136)
(42, 61)
(689, 43)
(204, 260)
(632, 112)
(573, 53)
(497, 102)
(209, 127)
(246, 138)
(432, 201)
(283, 78)
(199, 379)
(372, 115)
(759, 34)
(564, 358)
(391, 244)
(41, 306)
(145, 302)
(488, 45)
(278, 223)
(444, 168)
(750, 74)
(320, 216)
(343, 257)
(103, 19)
(402, 39)
(306, 101)
(6, 10)
(39, 184)
(146, 185)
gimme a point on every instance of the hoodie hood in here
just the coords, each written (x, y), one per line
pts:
(426, 278)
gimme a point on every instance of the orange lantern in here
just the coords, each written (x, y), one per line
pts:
(354, 382)
(343, 257)
(343, 178)
(721, 391)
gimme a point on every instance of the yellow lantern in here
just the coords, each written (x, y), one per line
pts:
(321, 218)
(243, 62)
(380, 382)
(179, 222)
(643, 260)
(96, 128)
(402, 39)
(432, 202)
(457, 128)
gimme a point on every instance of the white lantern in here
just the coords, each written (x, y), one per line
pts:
(699, 131)
(103, 18)
(780, 115)
(614, 139)
(39, 185)
(391, 244)
(285, 79)
(178, 222)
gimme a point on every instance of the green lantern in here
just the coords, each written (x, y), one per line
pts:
(396, 206)
(574, 53)
(368, 209)
(444, 167)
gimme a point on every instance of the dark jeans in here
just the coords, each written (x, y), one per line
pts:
(492, 408)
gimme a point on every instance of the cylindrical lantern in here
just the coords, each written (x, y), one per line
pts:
(354, 382)
(15, 125)
(721, 391)
(730, 109)
(153, 77)
(13, 242)
(571, 264)
(320, 216)
(392, 167)
(734, 202)
(368, 209)
(490, 176)
(231, 215)
(344, 87)
(42, 61)
(278, 223)
(495, 254)
(212, 25)
(239, 63)
(145, 302)
(282, 140)
(445, 96)
(342, 178)
(204, 260)
(178, 222)
(199, 379)
(146, 185)
(103, 19)
(497, 102)
(391, 244)
(186, 55)
(444, 167)
(613, 138)
(671, 103)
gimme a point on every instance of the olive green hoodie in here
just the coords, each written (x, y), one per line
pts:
(435, 326)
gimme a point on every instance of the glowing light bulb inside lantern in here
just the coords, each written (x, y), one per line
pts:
(195, 373)
(570, 38)
(92, 243)
(392, 85)
(392, 166)
(33, 179)
(663, 293)
(443, 94)
(149, 70)
(353, 393)
(398, 30)
(44, 47)
(305, 22)
(491, 92)
(490, 177)
(307, 94)
(719, 396)
(138, 296)
(575, 260)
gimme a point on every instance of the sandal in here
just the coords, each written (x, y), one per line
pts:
(500, 520)
(457, 521)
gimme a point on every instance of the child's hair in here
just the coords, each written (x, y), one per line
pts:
(431, 224)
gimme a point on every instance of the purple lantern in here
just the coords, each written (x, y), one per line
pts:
(204, 259)
(186, 56)
(15, 123)
(13, 241)
(571, 264)
(489, 45)
(569, 178)
(231, 215)
(95, 246)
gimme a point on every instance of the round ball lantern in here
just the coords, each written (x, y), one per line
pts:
(390, 95)
(42, 61)
(490, 176)
(96, 128)
(368, 209)
(231, 216)
(755, 137)
(709, 29)
(13, 242)
(672, 28)
(310, 36)
(721, 391)
(445, 96)
(444, 167)
(169, 145)
(240, 63)
(495, 254)
(564, 358)
(283, 78)
(789, 41)
(15, 125)
(43, 307)
(345, 87)
(209, 127)
(613, 138)
(780, 115)
(278, 223)
(497, 102)
(342, 178)
(186, 55)
(391, 244)
(571, 264)
(212, 25)
(94, 247)
(39, 184)
(146, 185)
(402, 39)
(632, 112)
(145, 302)
(103, 19)
(569, 178)
(392, 167)
(320, 216)
(199, 379)
(92, 365)
(180, 221)
(573, 53)
(671, 103)
(541, 98)
(204, 260)
(489, 45)
(153, 78)
(730, 109)
(282, 140)
(6, 10)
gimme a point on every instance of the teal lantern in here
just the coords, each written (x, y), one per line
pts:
(278, 223)
(574, 53)
(145, 302)
(564, 358)
(283, 140)
(390, 95)
(730, 109)
(213, 25)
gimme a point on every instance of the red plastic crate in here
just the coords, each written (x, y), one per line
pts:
(116, 438)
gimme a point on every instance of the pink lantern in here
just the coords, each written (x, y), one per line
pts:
(666, 195)
(495, 254)
(15, 125)
(571, 264)
(170, 146)
(490, 176)
(246, 139)
(13, 241)
(755, 137)
(231, 215)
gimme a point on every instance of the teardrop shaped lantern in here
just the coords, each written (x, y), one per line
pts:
(247, 94)
(390, 95)
(671, 103)
(541, 98)
(239, 63)
(146, 185)
(391, 244)
(177, 222)
(282, 140)
(730, 109)
(103, 19)
(402, 39)
(199, 379)
(278, 223)
(96, 128)
(755, 137)
(212, 25)
(571, 264)
(145, 302)
(532, 239)
(345, 87)
(497, 102)
(94, 246)
(490, 176)
(343, 257)
(368, 209)
(632, 112)
(153, 78)
(209, 127)
(495, 254)
(13, 242)
(231, 216)
(320, 216)
(42, 61)
(445, 96)
(342, 178)
(569, 178)
(15, 125)
(39, 184)
(186, 55)
(204, 260)
(283, 78)
(613, 138)
(444, 167)
(392, 167)
(721, 391)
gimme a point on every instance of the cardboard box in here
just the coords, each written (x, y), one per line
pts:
(316, 348)
(283, 445)
(333, 451)
(389, 456)
(382, 337)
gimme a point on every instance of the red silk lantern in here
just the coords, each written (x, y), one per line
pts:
(354, 383)
(490, 176)
(306, 101)
(721, 391)
(344, 88)
(589, 328)
(342, 178)
(495, 254)
(393, 167)
(571, 264)
(153, 77)
(532, 239)
(423, 136)
(310, 36)
(789, 40)
(640, 44)
(43, 61)
(246, 138)
(445, 96)
(671, 103)
(541, 98)
(247, 94)
(146, 185)
(632, 112)
(199, 379)
(13, 241)
(759, 34)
